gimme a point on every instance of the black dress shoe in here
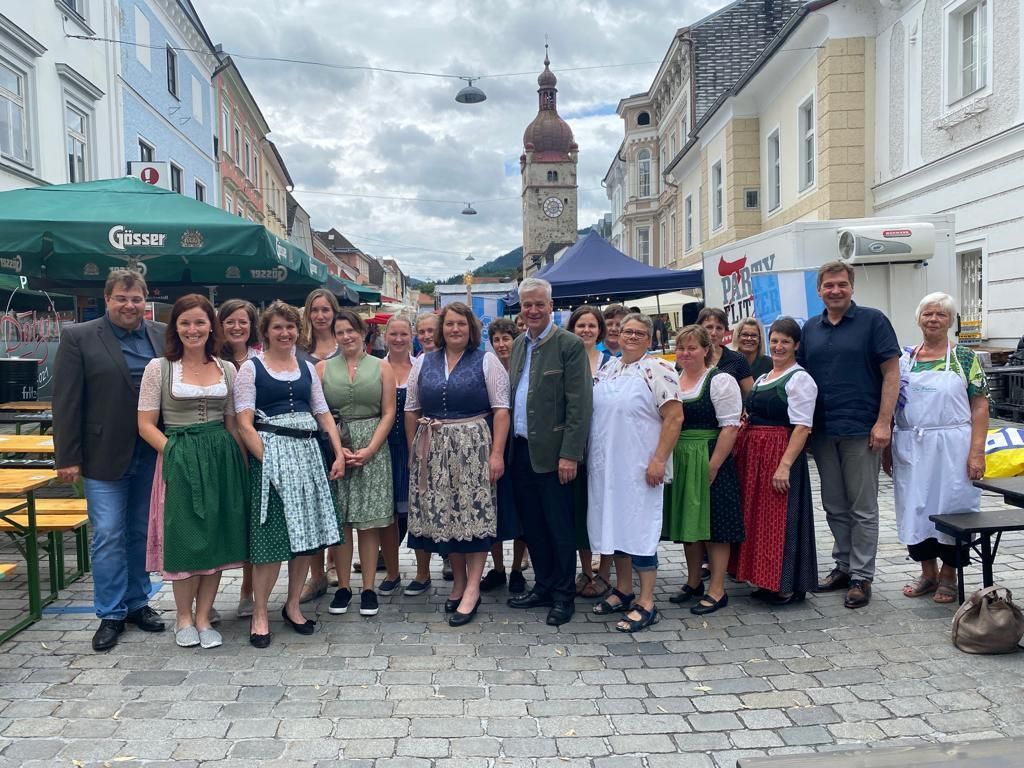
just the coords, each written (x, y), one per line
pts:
(308, 627)
(258, 641)
(777, 599)
(530, 600)
(451, 604)
(458, 619)
(561, 613)
(146, 619)
(106, 636)
(493, 580)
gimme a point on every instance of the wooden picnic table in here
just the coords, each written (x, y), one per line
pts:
(26, 444)
(25, 482)
(27, 406)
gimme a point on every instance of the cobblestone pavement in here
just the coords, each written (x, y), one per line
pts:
(403, 690)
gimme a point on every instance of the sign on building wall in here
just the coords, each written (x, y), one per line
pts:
(156, 172)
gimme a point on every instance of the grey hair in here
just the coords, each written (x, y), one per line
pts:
(941, 300)
(638, 317)
(531, 284)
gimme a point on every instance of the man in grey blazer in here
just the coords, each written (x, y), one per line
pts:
(97, 374)
(551, 409)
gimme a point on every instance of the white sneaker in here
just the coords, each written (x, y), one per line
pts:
(210, 638)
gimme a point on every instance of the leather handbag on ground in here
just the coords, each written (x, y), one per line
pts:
(325, 442)
(988, 622)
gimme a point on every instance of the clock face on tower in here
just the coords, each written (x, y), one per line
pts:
(553, 207)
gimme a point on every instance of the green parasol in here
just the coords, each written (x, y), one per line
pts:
(71, 234)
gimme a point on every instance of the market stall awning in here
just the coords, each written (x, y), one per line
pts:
(71, 235)
(368, 294)
(593, 271)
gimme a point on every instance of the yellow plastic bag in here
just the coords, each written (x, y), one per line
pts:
(1004, 452)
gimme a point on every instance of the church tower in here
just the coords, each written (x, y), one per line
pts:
(548, 168)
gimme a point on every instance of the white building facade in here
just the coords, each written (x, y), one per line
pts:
(950, 138)
(58, 115)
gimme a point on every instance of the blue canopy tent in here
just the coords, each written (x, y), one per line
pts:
(593, 271)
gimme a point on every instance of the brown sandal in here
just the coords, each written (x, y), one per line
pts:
(920, 586)
(583, 581)
(598, 587)
(945, 593)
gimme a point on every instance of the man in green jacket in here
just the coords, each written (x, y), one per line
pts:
(551, 408)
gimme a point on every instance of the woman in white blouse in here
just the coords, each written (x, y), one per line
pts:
(637, 415)
(281, 409)
(702, 506)
(457, 457)
(778, 556)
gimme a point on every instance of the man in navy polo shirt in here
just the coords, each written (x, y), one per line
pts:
(853, 355)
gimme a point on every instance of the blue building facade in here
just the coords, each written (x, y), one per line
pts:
(166, 93)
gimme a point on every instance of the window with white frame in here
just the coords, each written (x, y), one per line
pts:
(643, 245)
(225, 129)
(172, 72)
(228, 202)
(662, 244)
(14, 133)
(684, 127)
(717, 196)
(643, 174)
(238, 145)
(670, 251)
(774, 171)
(200, 192)
(76, 143)
(177, 177)
(969, 27)
(146, 151)
(77, 6)
(246, 157)
(688, 223)
(674, 146)
(807, 152)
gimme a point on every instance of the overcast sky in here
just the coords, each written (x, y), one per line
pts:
(394, 135)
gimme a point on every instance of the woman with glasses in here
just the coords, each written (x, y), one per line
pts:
(636, 421)
(748, 340)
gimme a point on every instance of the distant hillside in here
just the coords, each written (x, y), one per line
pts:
(506, 265)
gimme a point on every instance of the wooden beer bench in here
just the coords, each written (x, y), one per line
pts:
(976, 529)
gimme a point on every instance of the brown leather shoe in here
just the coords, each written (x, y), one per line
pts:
(837, 579)
(859, 594)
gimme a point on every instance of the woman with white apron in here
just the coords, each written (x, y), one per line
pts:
(636, 421)
(938, 445)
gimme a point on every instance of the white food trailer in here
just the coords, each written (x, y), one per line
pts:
(896, 262)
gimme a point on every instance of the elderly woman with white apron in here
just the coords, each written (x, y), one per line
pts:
(637, 416)
(938, 445)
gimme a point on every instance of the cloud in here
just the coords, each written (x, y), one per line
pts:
(352, 132)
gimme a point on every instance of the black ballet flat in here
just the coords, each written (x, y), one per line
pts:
(308, 627)
(795, 597)
(259, 641)
(459, 619)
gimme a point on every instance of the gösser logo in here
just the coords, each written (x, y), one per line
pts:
(277, 273)
(12, 264)
(121, 237)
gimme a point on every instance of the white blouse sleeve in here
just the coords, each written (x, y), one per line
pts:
(318, 403)
(412, 388)
(496, 378)
(149, 390)
(663, 381)
(727, 399)
(245, 387)
(802, 394)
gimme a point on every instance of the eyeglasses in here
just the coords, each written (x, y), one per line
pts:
(134, 300)
(750, 336)
(631, 334)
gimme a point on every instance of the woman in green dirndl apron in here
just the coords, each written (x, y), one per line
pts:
(360, 390)
(281, 410)
(198, 510)
(702, 505)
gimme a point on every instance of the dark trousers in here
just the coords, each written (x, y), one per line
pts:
(929, 549)
(546, 513)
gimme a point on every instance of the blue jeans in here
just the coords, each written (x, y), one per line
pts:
(119, 519)
(641, 562)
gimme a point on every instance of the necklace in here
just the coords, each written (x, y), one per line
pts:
(195, 370)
